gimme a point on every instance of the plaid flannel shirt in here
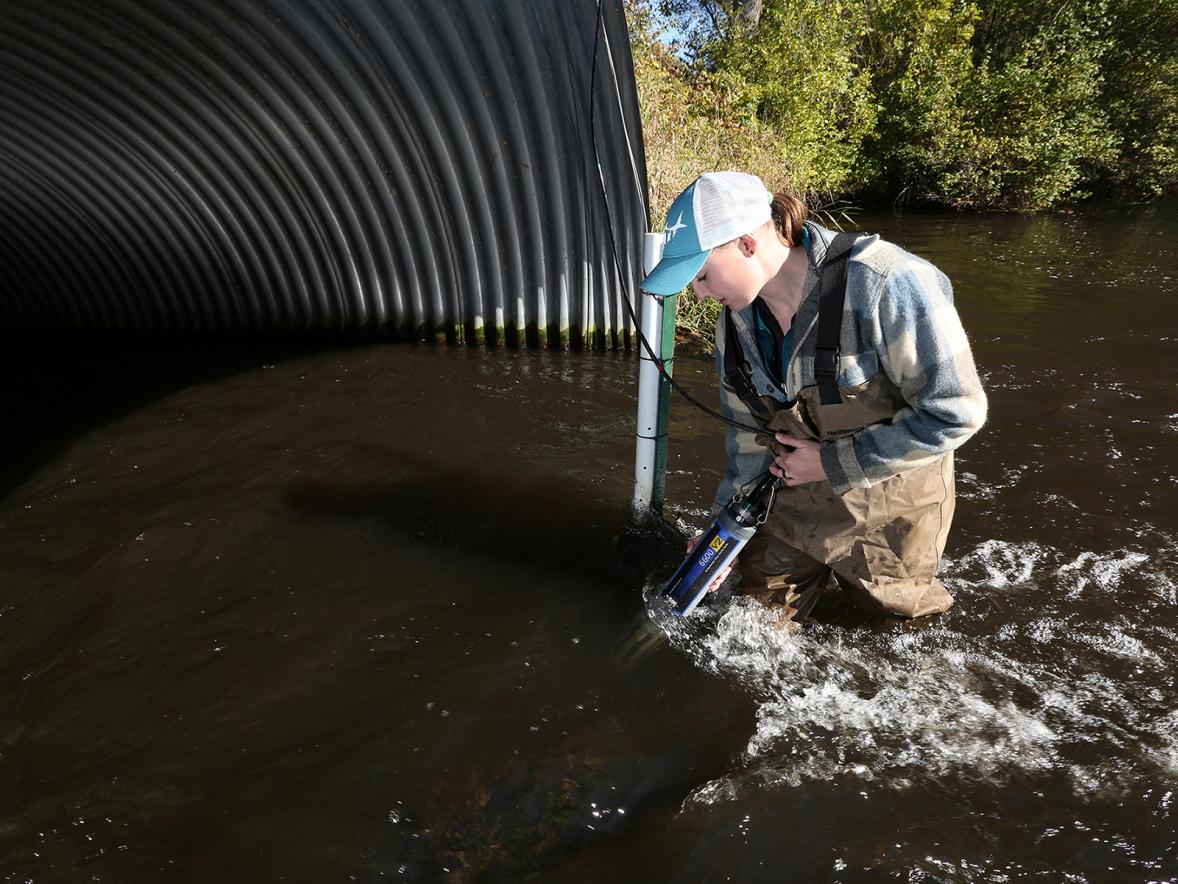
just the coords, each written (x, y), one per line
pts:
(898, 318)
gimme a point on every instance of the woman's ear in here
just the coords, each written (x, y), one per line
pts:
(747, 245)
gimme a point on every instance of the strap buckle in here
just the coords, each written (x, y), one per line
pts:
(826, 370)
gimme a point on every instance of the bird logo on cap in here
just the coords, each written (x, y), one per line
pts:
(675, 228)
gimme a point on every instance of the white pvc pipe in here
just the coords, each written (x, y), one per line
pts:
(646, 441)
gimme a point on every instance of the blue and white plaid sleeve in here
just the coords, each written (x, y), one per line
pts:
(924, 350)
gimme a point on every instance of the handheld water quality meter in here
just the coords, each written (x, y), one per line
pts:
(719, 545)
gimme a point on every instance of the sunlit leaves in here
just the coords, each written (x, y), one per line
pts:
(1015, 104)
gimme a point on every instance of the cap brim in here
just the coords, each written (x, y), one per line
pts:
(672, 274)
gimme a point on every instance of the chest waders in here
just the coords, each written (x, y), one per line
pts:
(882, 543)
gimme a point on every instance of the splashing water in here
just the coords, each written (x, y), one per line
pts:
(1032, 684)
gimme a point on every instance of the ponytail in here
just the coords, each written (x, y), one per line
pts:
(788, 213)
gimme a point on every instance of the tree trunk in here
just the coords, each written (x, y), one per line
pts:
(750, 13)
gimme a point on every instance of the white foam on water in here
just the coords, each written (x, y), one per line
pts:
(970, 487)
(1166, 728)
(1017, 697)
(1119, 643)
(998, 564)
(1165, 589)
(1090, 570)
(869, 708)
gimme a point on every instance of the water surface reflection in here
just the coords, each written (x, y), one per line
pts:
(313, 614)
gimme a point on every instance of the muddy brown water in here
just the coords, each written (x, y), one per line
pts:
(309, 613)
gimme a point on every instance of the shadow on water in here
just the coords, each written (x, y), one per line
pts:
(60, 386)
(598, 777)
(508, 520)
(563, 795)
(267, 610)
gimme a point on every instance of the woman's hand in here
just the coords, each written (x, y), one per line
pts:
(800, 466)
(721, 577)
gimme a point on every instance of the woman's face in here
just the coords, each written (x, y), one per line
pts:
(730, 275)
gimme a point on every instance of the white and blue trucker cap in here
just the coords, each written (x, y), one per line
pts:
(716, 208)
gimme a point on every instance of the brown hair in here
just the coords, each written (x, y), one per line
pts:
(788, 213)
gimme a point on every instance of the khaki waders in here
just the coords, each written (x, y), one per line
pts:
(882, 543)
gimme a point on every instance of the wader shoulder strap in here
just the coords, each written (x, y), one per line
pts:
(831, 298)
(737, 371)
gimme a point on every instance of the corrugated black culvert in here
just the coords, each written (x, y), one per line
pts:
(419, 169)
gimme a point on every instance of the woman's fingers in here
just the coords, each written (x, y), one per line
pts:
(794, 442)
(801, 464)
(720, 578)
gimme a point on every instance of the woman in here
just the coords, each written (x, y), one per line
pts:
(863, 390)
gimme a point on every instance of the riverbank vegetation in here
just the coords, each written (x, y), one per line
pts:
(967, 104)
(1015, 105)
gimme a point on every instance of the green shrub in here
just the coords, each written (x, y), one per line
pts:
(971, 104)
(1140, 94)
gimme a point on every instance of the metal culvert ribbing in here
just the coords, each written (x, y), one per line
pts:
(425, 169)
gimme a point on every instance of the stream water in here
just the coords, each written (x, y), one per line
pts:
(280, 612)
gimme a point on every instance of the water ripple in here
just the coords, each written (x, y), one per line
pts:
(1027, 693)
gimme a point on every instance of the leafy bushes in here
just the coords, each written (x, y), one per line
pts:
(970, 104)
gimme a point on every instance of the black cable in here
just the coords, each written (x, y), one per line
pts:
(622, 277)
